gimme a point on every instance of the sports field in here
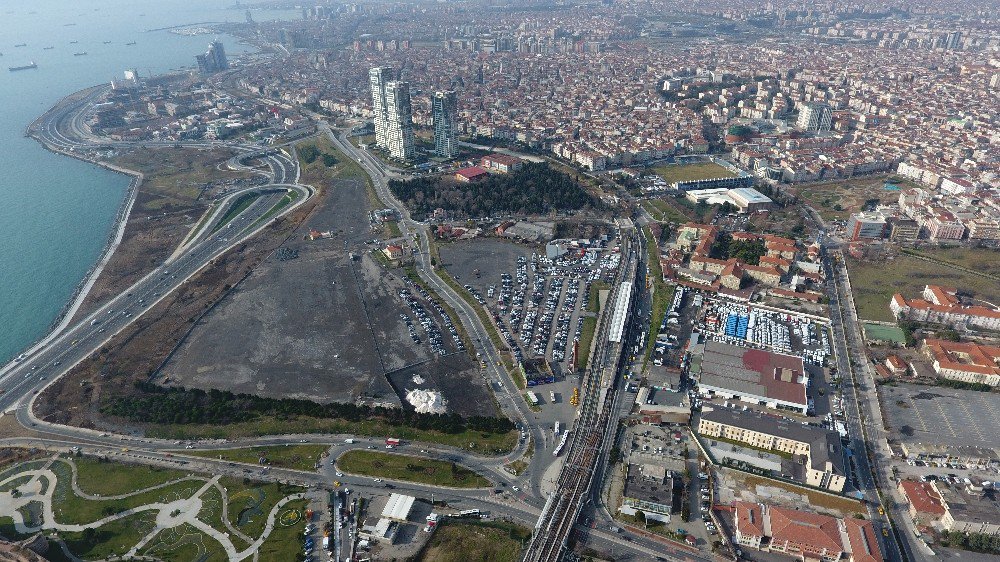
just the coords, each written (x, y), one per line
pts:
(883, 333)
(688, 172)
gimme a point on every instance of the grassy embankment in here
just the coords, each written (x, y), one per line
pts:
(410, 469)
(663, 294)
(296, 457)
(490, 541)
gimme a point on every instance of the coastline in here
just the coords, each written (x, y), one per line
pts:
(114, 239)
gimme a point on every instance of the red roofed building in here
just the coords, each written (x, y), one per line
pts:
(805, 535)
(966, 362)
(940, 305)
(810, 536)
(502, 163)
(925, 503)
(471, 174)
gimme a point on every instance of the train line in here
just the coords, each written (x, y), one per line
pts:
(591, 432)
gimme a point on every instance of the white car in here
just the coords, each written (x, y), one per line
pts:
(340, 474)
(378, 480)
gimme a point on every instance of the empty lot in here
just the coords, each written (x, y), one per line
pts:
(319, 326)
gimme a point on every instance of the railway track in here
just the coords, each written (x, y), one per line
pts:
(591, 432)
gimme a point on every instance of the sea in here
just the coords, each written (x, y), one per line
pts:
(56, 213)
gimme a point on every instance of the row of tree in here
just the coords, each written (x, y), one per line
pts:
(157, 404)
(535, 189)
(977, 542)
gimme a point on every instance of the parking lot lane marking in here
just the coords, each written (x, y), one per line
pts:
(946, 419)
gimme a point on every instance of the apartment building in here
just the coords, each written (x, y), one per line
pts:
(967, 362)
(824, 465)
(941, 305)
(444, 108)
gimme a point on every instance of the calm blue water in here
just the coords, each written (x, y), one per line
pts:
(56, 212)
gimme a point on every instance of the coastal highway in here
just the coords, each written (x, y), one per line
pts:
(26, 376)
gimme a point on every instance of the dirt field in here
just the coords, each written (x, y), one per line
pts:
(176, 191)
(838, 199)
(139, 349)
(322, 326)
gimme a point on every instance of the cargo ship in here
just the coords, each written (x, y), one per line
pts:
(28, 66)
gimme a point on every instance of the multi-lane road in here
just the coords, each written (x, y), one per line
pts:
(70, 343)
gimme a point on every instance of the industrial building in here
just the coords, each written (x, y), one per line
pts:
(649, 489)
(750, 375)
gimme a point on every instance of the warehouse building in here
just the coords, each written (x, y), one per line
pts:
(756, 376)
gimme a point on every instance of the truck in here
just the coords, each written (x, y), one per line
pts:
(326, 542)
(556, 429)
(349, 440)
(552, 396)
(392, 441)
(533, 398)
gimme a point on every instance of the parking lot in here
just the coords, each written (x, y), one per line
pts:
(540, 303)
(785, 333)
(931, 414)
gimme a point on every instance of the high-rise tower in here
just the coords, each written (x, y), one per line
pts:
(399, 125)
(378, 77)
(444, 106)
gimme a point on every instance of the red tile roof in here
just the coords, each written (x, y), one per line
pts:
(922, 497)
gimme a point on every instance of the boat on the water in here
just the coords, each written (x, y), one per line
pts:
(28, 66)
(80, 54)
(21, 45)
(130, 43)
(107, 42)
(47, 48)
(73, 42)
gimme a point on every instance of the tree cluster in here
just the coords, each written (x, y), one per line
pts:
(156, 404)
(977, 542)
(747, 251)
(535, 189)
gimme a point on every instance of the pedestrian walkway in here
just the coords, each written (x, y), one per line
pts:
(41, 485)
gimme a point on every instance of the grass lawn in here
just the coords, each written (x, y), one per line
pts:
(70, 508)
(211, 513)
(875, 283)
(298, 457)
(980, 260)
(285, 541)
(884, 333)
(184, 544)
(175, 175)
(586, 340)
(663, 294)
(410, 469)
(455, 541)
(664, 211)
(474, 440)
(108, 478)
(112, 539)
(688, 172)
(250, 502)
